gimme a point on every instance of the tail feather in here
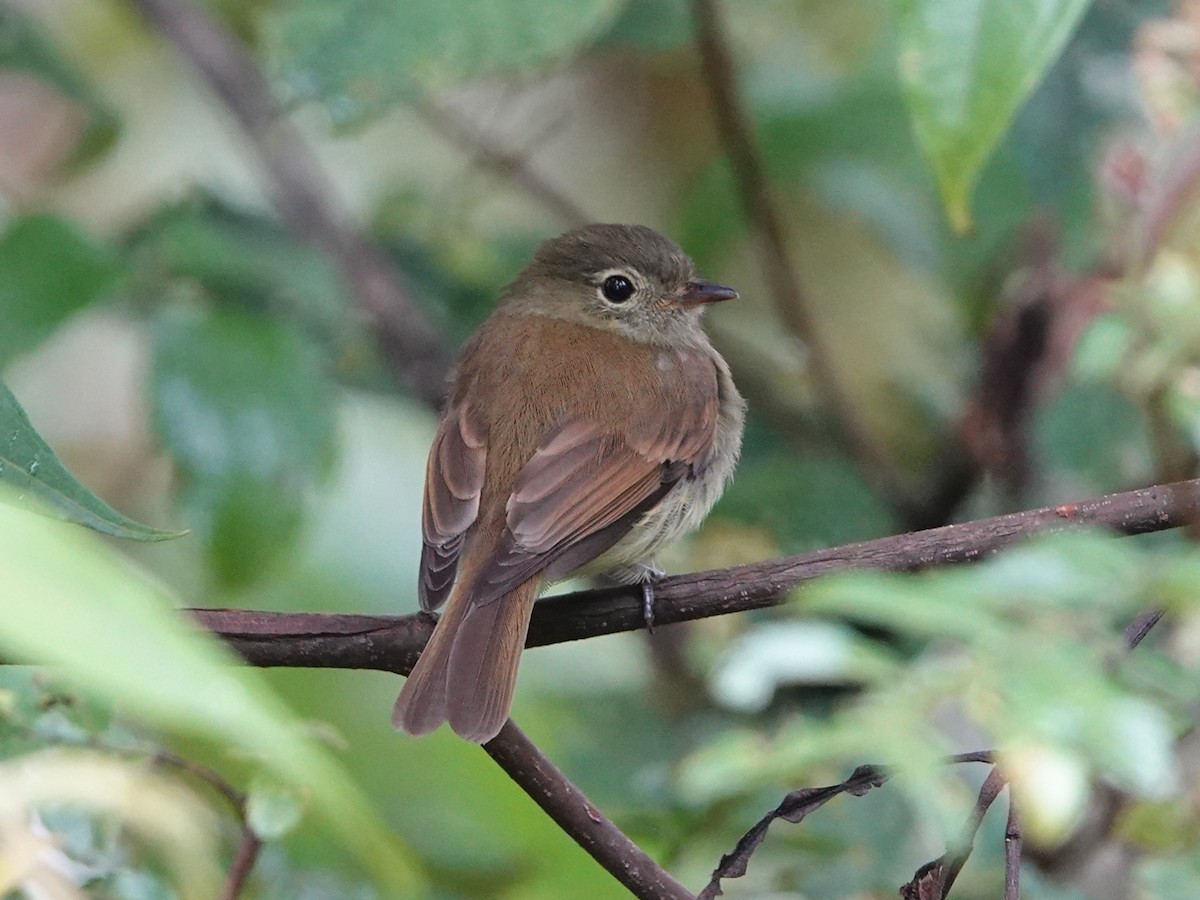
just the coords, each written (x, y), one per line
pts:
(421, 706)
(467, 672)
(484, 661)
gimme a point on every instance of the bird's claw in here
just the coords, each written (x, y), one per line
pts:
(648, 605)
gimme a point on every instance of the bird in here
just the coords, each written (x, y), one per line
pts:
(589, 423)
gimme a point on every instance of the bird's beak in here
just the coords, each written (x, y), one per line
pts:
(696, 293)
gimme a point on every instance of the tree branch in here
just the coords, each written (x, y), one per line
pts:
(243, 862)
(1137, 630)
(1014, 840)
(775, 256)
(412, 347)
(249, 844)
(392, 643)
(525, 764)
(794, 808)
(934, 880)
(799, 804)
(504, 163)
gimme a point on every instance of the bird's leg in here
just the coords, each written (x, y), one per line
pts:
(650, 573)
(648, 605)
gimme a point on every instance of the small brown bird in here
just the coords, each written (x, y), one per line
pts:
(590, 423)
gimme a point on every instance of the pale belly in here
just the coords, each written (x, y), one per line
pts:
(631, 559)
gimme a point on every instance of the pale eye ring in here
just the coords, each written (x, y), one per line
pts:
(617, 288)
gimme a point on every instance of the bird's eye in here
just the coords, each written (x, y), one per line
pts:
(617, 288)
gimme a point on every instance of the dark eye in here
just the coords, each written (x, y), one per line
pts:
(617, 288)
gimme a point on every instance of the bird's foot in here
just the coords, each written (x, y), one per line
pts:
(650, 574)
(648, 605)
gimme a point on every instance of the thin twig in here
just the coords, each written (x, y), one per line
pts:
(775, 255)
(1015, 355)
(211, 777)
(794, 808)
(973, 756)
(243, 862)
(1140, 627)
(249, 844)
(563, 802)
(411, 345)
(934, 880)
(797, 805)
(988, 792)
(1014, 840)
(513, 166)
(393, 643)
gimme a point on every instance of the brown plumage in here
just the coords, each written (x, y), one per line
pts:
(590, 422)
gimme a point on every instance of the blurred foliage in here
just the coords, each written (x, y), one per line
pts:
(50, 271)
(89, 603)
(360, 55)
(255, 412)
(251, 435)
(239, 261)
(966, 67)
(36, 478)
(26, 49)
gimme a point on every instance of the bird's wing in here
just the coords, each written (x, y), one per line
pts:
(585, 487)
(453, 484)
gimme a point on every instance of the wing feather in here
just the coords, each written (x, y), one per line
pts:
(595, 488)
(453, 484)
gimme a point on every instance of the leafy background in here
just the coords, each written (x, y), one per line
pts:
(979, 203)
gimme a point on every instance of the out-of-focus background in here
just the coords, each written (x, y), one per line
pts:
(964, 242)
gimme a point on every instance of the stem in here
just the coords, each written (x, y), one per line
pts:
(550, 789)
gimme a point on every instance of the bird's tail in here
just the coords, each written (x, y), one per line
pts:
(467, 671)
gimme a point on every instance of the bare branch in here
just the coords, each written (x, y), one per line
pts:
(243, 862)
(487, 155)
(393, 643)
(794, 808)
(250, 843)
(1014, 840)
(1136, 630)
(413, 348)
(525, 764)
(934, 880)
(775, 255)
(798, 804)
(988, 792)
(235, 798)
(1013, 364)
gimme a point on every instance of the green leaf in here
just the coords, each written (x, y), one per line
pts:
(29, 466)
(967, 65)
(24, 47)
(358, 56)
(71, 603)
(243, 260)
(243, 405)
(48, 270)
